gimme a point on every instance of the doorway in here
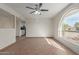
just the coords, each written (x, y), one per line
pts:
(20, 29)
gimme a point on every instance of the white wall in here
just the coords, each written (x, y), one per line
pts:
(10, 10)
(39, 27)
(17, 26)
(6, 20)
(7, 26)
(7, 29)
(7, 37)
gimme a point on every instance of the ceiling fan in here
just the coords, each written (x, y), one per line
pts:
(37, 9)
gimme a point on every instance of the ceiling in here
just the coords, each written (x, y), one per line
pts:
(53, 8)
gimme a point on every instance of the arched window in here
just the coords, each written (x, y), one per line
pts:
(69, 25)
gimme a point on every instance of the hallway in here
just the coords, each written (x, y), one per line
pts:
(37, 46)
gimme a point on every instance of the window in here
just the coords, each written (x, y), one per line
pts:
(70, 26)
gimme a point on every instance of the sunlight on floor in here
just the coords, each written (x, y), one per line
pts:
(51, 42)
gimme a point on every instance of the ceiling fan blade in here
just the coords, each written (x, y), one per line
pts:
(43, 10)
(32, 12)
(40, 5)
(30, 8)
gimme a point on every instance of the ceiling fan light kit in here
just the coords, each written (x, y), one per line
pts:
(37, 13)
